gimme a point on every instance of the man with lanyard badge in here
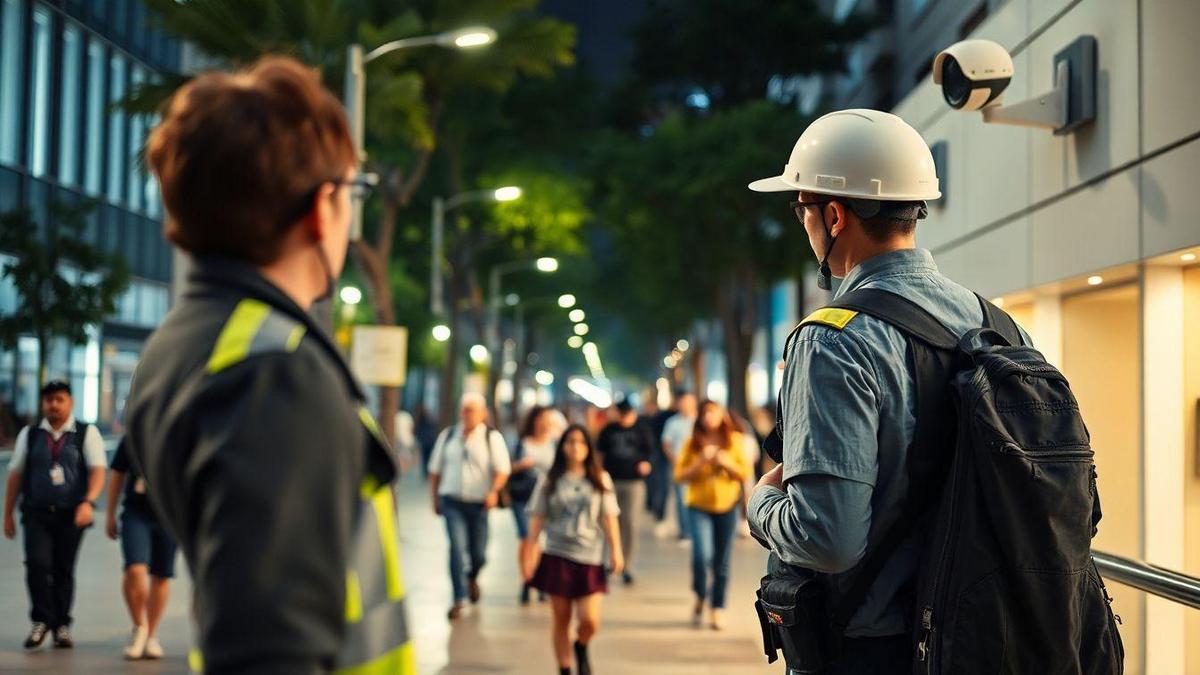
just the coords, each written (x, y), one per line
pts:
(57, 469)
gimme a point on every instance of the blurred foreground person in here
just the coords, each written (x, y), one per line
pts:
(713, 468)
(57, 469)
(467, 470)
(149, 552)
(576, 505)
(244, 420)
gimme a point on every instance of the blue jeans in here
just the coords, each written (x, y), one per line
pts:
(467, 528)
(683, 512)
(712, 547)
(521, 516)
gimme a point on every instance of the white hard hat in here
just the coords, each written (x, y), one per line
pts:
(861, 154)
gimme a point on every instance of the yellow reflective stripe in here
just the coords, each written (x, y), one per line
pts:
(399, 661)
(386, 522)
(294, 338)
(234, 341)
(372, 426)
(354, 611)
(196, 661)
(830, 316)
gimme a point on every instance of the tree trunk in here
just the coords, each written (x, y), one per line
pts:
(699, 370)
(448, 388)
(737, 311)
(42, 342)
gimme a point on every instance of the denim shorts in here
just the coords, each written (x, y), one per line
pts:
(145, 542)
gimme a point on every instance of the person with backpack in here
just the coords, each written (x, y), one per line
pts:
(532, 457)
(936, 497)
(57, 471)
(468, 468)
(575, 503)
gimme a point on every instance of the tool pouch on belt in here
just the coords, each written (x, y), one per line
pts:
(791, 612)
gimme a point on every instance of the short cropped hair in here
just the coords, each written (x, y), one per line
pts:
(55, 386)
(240, 156)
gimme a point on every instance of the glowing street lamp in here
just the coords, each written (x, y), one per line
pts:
(441, 332)
(566, 301)
(577, 315)
(547, 264)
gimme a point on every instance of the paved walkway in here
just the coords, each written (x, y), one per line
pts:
(645, 627)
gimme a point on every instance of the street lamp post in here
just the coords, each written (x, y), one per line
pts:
(354, 93)
(440, 207)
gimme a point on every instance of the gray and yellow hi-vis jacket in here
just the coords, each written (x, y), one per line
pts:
(260, 458)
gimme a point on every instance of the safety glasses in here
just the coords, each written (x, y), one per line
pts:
(798, 207)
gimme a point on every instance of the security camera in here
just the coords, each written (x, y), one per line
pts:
(973, 75)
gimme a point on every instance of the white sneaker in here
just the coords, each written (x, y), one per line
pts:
(136, 649)
(154, 650)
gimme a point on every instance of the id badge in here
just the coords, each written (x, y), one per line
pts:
(57, 475)
(139, 486)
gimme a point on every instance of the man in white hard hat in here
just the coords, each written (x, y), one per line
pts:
(847, 405)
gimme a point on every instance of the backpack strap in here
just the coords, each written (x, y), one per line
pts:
(1001, 322)
(932, 347)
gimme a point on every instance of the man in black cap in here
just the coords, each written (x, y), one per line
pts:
(57, 469)
(627, 447)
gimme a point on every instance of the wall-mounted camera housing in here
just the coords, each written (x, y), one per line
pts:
(973, 75)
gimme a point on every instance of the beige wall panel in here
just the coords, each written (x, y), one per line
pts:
(947, 216)
(1191, 477)
(993, 263)
(1042, 11)
(922, 105)
(1061, 162)
(1008, 26)
(1023, 315)
(1089, 230)
(1170, 200)
(1170, 52)
(1101, 360)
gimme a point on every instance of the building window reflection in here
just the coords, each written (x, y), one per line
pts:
(39, 113)
(95, 118)
(68, 137)
(116, 129)
(10, 76)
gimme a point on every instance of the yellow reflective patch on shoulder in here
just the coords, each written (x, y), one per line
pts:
(830, 316)
(354, 610)
(233, 344)
(399, 661)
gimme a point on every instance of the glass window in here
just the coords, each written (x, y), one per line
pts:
(94, 143)
(39, 113)
(68, 138)
(137, 133)
(116, 128)
(10, 79)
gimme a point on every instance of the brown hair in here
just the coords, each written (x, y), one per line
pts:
(724, 431)
(591, 463)
(241, 155)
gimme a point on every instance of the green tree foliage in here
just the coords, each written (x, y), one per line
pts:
(63, 284)
(690, 237)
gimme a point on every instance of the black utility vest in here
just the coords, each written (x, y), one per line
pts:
(40, 491)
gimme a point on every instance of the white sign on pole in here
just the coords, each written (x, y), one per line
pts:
(379, 354)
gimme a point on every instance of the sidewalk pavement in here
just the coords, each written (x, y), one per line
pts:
(645, 627)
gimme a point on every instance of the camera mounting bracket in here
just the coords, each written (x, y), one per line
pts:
(1066, 107)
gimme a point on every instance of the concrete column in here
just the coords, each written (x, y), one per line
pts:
(1047, 329)
(1163, 488)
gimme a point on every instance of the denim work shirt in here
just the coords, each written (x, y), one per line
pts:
(849, 410)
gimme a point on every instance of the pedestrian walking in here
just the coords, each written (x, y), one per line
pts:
(576, 505)
(468, 468)
(244, 420)
(713, 467)
(57, 472)
(149, 553)
(676, 432)
(658, 484)
(626, 448)
(532, 457)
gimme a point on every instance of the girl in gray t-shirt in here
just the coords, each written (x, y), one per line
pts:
(575, 505)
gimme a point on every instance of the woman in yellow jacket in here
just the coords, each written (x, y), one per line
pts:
(713, 467)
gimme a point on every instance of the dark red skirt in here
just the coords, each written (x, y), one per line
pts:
(567, 578)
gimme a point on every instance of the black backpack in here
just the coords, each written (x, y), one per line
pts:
(1002, 493)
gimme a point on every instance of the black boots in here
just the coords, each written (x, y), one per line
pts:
(582, 665)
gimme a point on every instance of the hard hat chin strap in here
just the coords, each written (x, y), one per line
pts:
(824, 275)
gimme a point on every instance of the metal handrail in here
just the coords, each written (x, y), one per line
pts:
(1169, 584)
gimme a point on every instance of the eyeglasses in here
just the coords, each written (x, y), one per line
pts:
(798, 207)
(361, 186)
